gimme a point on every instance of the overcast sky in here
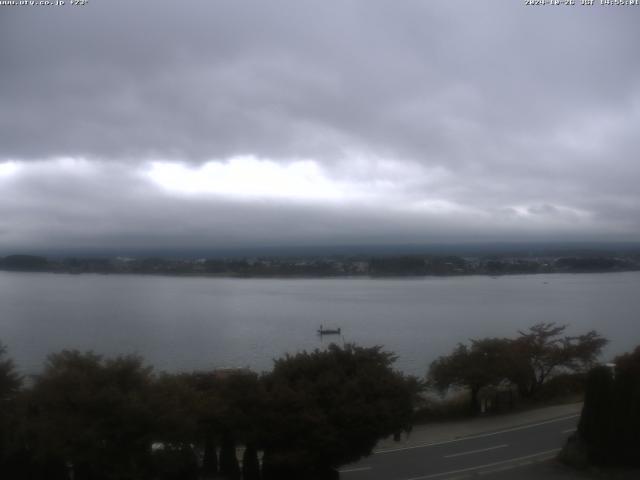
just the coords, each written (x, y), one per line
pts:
(236, 123)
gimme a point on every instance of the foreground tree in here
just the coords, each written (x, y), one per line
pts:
(328, 408)
(626, 408)
(10, 380)
(93, 415)
(228, 407)
(242, 403)
(479, 365)
(175, 407)
(527, 361)
(609, 428)
(596, 419)
(90, 418)
(250, 463)
(543, 350)
(10, 383)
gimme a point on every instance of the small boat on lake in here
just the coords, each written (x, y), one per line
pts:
(328, 331)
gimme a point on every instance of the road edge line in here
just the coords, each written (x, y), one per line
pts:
(479, 467)
(474, 436)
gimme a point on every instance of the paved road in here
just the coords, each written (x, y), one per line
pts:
(486, 454)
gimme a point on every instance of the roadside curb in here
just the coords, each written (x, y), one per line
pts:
(440, 433)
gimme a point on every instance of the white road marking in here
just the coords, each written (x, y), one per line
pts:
(471, 437)
(487, 465)
(569, 430)
(358, 469)
(503, 468)
(475, 451)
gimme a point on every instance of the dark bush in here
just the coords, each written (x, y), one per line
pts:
(609, 428)
(562, 386)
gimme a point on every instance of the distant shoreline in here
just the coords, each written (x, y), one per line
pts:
(319, 277)
(329, 266)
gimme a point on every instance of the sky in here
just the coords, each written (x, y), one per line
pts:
(217, 124)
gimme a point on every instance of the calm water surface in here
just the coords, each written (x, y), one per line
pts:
(195, 323)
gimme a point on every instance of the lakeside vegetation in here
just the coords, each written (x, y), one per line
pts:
(497, 370)
(88, 417)
(608, 433)
(335, 266)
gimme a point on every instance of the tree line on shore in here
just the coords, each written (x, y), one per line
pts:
(608, 431)
(328, 266)
(86, 417)
(525, 363)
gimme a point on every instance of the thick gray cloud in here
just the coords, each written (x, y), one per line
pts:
(76, 205)
(421, 121)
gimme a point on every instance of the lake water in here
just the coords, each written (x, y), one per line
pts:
(197, 323)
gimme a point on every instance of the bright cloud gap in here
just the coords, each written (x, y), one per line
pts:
(251, 177)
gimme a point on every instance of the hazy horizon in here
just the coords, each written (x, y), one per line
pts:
(519, 249)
